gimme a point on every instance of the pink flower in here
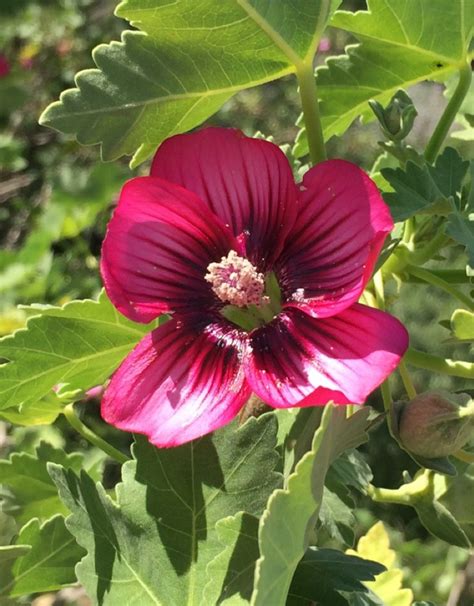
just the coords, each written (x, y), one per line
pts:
(4, 66)
(206, 238)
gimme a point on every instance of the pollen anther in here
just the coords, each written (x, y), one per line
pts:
(236, 281)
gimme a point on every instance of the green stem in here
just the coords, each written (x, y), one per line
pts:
(451, 276)
(419, 359)
(418, 257)
(407, 381)
(404, 256)
(407, 494)
(430, 278)
(90, 436)
(449, 114)
(310, 106)
(385, 387)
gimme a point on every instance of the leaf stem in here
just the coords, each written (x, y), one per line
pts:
(451, 276)
(407, 494)
(90, 436)
(454, 368)
(385, 387)
(310, 106)
(407, 380)
(449, 114)
(430, 278)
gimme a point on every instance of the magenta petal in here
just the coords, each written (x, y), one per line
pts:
(341, 225)
(181, 382)
(246, 182)
(300, 360)
(159, 243)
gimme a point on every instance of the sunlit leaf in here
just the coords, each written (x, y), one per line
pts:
(31, 492)
(289, 520)
(48, 564)
(186, 61)
(402, 42)
(375, 545)
(79, 344)
(166, 512)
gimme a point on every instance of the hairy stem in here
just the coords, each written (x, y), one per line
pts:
(90, 436)
(451, 276)
(407, 381)
(430, 278)
(310, 106)
(454, 368)
(449, 114)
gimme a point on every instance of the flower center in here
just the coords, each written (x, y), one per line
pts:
(236, 281)
(252, 298)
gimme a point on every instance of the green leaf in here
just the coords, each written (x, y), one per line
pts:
(166, 512)
(231, 573)
(323, 573)
(48, 564)
(79, 345)
(461, 229)
(440, 522)
(289, 520)
(456, 493)
(31, 492)
(462, 324)
(351, 469)
(402, 42)
(186, 61)
(375, 545)
(336, 515)
(426, 188)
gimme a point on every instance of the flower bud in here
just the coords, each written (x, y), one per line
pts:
(396, 120)
(433, 426)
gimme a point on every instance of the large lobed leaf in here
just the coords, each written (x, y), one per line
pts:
(289, 520)
(402, 42)
(79, 344)
(28, 491)
(154, 544)
(188, 59)
(423, 188)
(42, 559)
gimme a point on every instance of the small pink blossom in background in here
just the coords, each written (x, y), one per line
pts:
(219, 212)
(4, 66)
(324, 45)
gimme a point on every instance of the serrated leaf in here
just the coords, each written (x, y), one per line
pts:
(186, 61)
(351, 469)
(291, 514)
(166, 511)
(375, 545)
(337, 517)
(79, 344)
(425, 188)
(33, 494)
(402, 42)
(323, 573)
(49, 562)
(461, 229)
(231, 573)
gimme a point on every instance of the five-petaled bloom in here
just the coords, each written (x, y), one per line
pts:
(261, 278)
